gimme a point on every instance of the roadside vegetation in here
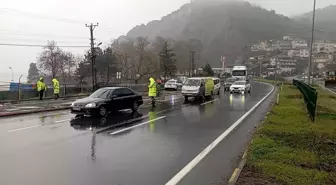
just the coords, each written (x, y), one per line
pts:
(290, 149)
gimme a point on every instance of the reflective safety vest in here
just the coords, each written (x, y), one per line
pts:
(40, 86)
(152, 88)
(56, 86)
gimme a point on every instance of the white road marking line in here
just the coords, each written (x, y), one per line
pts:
(209, 102)
(180, 175)
(138, 125)
(24, 128)
(61, 121)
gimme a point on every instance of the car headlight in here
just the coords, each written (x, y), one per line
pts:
(73, 104)
(90, 105)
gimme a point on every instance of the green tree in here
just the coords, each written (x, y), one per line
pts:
(207, 70)
(167, 61)
(33, 73)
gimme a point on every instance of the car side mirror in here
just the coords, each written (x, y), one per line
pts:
(114, 96)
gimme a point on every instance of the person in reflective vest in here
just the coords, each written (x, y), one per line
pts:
(41, 87)
(152, 90)
(56, 88)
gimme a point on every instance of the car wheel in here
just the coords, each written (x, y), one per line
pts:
(135, 106)
(102, 111)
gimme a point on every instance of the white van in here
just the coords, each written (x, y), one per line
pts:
(217, 85)
(193, 87)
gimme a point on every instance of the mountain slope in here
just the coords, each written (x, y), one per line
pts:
(325, 20)
(224, 28)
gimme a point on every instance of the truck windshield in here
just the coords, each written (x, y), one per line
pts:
(239, 73)
(193, 82)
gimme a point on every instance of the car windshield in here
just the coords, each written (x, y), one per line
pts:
(171, 81)
(239, 83)
(231, 80)
(193, 82)
(101, 93)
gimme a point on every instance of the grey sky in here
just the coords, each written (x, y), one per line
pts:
(115, 17)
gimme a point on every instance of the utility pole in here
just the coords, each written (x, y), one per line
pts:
(260, 66)
(311, 65)
(192, 63)
(93, 55)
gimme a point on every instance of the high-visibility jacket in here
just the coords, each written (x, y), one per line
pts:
(56, 86)
(41, 85)
(152, 88)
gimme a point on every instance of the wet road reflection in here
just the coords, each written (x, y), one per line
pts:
(90, 123)
(238, 101)
(146, 147)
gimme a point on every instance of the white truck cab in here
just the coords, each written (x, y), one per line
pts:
(240, 73)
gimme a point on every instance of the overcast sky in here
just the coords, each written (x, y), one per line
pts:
(19, 26)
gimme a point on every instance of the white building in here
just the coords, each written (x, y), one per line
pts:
(298, 44)
(324, 46)
(304, 53)
(286, 63)
(262, 46)
(293, 53)
(322, 59)
(290, 37)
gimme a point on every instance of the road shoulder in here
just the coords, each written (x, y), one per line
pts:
(290, 149)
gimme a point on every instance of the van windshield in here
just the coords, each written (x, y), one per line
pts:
(193, 82)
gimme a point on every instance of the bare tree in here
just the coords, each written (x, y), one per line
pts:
(48, 59)
(66, 62)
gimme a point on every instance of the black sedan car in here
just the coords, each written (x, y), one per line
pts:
(105, 100)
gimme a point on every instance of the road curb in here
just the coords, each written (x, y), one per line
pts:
(326, 89)
(12, 114)
(238, 170)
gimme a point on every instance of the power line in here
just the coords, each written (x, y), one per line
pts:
(14, 32)
(36, 45)
(45, 16)
(40, 16)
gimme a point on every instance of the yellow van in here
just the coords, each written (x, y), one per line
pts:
(209, 88)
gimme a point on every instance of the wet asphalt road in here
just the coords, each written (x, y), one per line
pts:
(145, 148)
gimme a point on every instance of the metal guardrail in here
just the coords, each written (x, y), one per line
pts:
(66, 90)
(309, 96)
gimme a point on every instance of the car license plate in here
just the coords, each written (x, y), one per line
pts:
(76, 108)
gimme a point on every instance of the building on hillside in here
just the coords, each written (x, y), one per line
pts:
(286, 63)
(304, 52)
(298, 44)
(293, 53)
(324, 46)
(322, 59)
(261, 46)
(290, 37)
(284, 45)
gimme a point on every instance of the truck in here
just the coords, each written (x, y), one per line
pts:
(240, 73)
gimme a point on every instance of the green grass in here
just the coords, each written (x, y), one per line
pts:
(289, 148)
